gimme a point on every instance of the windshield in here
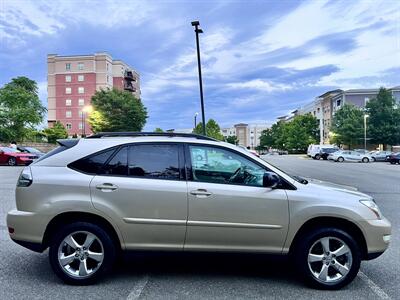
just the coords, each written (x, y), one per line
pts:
(7, 149)
(32, 150)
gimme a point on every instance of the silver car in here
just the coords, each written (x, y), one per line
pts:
(92, 198)
(350, 156)
(380, 155)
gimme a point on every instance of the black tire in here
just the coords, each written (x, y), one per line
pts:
(306, 242)
(317, 157)
(340, 159)
(392, 162)
(12, 161)
(365, 160)
(109, 251)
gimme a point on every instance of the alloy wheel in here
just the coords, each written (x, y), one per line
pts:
(80, 254)
(12, 161)
(329, 260)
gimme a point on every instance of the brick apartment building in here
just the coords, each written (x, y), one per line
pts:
(72, 81)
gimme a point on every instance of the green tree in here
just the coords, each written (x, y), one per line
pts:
(116, 110)
(56, 132)
(300, 132)
(348, 125)
(267, 138)
(384, 119)
(158, 129)
(20, 109)
(232, 139)
(212, 130)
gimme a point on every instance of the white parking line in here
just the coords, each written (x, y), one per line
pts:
(373, 286)
(138, 288)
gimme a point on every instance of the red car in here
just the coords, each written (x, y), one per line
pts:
(13, 157)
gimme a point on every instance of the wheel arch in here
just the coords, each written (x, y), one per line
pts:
(336, 222)
(71, 217)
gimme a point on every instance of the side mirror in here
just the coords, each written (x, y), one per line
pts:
(271, 180)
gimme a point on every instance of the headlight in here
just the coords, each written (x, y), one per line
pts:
(373, 207)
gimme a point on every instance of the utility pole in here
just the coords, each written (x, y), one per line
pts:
(198, 30)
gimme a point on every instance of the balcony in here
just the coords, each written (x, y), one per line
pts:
(128, 86)
(129, 76)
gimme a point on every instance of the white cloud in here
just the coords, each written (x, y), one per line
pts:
(260, 85)
(41, 17)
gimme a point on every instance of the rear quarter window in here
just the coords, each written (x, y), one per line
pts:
(92, 164)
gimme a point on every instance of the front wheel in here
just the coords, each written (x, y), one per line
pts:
(365, 160)
(80, 253)
(328, 258)
(12, 161)
(340, 159)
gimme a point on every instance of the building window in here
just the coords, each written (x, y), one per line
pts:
(81, 90)
(68, 102)
(68, 126)
(366, 99)
(81, 102)
(80, 125)
(338, 102)
(81, 114)
(80, 66)
(68, 78)
(68, 114)
(68, 90)
(81, 77)
(68, 66)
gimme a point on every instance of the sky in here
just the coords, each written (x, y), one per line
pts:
(260, 59)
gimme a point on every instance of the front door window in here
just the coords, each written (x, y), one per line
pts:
(217, 165)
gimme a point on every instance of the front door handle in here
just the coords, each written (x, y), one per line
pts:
(106, 187)
(200, 193)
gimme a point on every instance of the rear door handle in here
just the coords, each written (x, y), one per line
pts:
(200, 193)
(106, 187)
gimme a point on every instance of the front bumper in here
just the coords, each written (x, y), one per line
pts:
(377, 235)
(27, 228)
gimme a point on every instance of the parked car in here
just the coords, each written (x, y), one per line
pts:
(91, 198)
(13, 157)
(347, 155)
(379, 155)
(315, 151)
(30, 150)
(394, 158)
(324, 153)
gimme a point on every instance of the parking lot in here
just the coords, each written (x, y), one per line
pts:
(25, 274)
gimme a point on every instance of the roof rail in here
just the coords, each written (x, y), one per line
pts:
(137, 134)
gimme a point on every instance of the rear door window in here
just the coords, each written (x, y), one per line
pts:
(118, 164)
(156, 161)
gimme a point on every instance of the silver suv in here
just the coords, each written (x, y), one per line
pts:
(91, 198)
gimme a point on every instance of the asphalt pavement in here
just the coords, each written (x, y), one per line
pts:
(25, 274)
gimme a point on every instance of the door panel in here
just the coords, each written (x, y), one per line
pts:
(236, 217)
(229, 209)
(142, 187)
(151, 213)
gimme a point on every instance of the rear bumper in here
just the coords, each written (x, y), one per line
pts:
(27, 228)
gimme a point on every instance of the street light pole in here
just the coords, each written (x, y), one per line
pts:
(195, 120)
(197, 30)
(365, 130)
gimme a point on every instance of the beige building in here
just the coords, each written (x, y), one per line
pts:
(247, 135)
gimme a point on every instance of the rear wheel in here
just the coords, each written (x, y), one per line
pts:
(327, 258)
(318, 156)
(365, 160)
(80, 253)
(12, 161)
(340, 159)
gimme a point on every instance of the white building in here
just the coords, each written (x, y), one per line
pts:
(247, 135)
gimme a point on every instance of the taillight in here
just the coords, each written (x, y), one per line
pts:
(25, 179)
